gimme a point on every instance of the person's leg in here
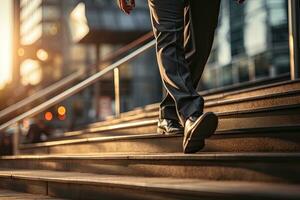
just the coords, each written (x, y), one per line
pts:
(199, 35)
(168, 25)
(167, 108)
(199, 28)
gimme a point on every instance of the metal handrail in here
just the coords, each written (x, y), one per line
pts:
(124, 50)
(78, 87)
(44, 92)
(294, 35)
(69, 79)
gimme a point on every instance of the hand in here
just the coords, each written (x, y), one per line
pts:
(240, 1)
(125, 6)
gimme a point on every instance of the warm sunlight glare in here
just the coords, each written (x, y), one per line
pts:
(42, 55)
(31, 72)
(5, 41)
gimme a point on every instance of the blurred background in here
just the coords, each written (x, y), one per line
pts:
(44, 42)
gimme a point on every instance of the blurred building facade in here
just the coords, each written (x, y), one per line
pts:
(45, 47)
(41, 36)
(251, 43)
(101, 24)
(60, 37)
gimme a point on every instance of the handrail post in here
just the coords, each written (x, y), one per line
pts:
(294, 37)
(97, 84)
(16, 139)
(117, 92)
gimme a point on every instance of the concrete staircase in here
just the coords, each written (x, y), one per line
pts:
(12, 195)
(255, 154)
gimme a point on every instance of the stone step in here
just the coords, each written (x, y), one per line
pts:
(266, 111)
(13, 195)
(94, 186)
(268, 89)
(228, 122)
(256, 103)
(267, 139)
(251, 167)
(126, 128)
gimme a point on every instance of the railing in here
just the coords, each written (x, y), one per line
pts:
(82, 85)
(294, 35)
(40, 94)
(87, 82)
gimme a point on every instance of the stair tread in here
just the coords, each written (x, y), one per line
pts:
(220, 95)
(102, 128)
(267, 86)
(214, 102)
(96, 139)
(164, 156)
(107, 138)
(162, 184)
(120, 125)
(8, 194)
(143, 118)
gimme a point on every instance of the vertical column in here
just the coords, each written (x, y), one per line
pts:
(294, 37)
(16, 43)
(16, 139)
(97, 85)
(117, 92)
(16, 65)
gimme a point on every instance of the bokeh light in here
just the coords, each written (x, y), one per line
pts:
(61, 110)
(42, 55)
(48, 116)
(31, 72)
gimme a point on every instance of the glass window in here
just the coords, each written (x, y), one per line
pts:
(251, 42)
(32, 21)
(29, 7)
(33, 36)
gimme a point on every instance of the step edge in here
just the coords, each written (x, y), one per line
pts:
(245, 99)
(260, 87)
(232, 101)
(143, 136)
(248, 156)
(112, 127)
(94, 139)
(211, 189)
(148, 122)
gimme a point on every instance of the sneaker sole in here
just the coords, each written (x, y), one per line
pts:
(204, 127)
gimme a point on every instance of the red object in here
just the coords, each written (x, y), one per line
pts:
(48, 116)
(126, 5)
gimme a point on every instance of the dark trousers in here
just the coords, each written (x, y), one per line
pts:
(184, 32)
